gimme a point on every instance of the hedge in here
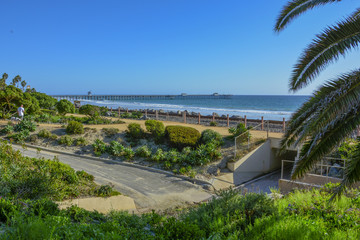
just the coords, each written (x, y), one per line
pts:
(180, 136)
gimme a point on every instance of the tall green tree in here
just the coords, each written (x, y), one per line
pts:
(16, 80)
(65, 106)
(3, 81)
(333, 111)
(45, 101)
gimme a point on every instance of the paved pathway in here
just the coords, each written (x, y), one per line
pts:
(149, 189)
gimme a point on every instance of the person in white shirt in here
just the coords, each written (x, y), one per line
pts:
(21, 112)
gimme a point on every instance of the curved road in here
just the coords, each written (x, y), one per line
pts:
(149, 189)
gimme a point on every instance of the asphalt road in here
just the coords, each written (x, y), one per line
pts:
(149, 189)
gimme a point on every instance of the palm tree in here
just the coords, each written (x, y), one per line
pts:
(333, 111)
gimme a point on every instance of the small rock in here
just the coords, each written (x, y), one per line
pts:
(208, 187)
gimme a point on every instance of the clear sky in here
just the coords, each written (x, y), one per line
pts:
(160, 46)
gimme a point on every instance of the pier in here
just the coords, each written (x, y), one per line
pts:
(140, 97)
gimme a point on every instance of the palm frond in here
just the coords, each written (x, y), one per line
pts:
(356, 13)
(294, 8)
(324, 121)
(326, 105)
(325, 49)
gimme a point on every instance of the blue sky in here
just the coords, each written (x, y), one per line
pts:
(160, 46)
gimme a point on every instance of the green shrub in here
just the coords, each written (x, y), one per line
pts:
(25, 124)
(230, 213)
(211, 136)
(7, 129)
(64, 106)
(143, 151)
(133, 115)
(172, 156)
(213, 123)
(33, 138)
(134, 131)
(181, 137)
(240, 129)
(128, 153)
(7, 209)
(19, 136)
(44, 206)
(99, 147)
(44, 133)
(156, 128)
(81, 141)
(158, 156)
(90, 111)
(104, 191)
(115, 149)
(110, 132)
(66, 140)
(74, 127)
(53, 136)
(84, 175)
(175, 229)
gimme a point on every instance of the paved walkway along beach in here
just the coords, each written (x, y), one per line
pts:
(149, 189)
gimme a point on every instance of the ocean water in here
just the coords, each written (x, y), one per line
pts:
(254, 107)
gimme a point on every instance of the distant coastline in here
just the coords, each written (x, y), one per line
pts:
(271, 107)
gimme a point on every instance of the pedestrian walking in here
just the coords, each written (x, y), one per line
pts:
(21, 112)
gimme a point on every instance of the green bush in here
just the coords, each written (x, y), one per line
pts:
(115, 149)
(66, 140)
(90, 111)
(143, 151)
(104, 191)
(44, 133)
(31, 178)
(181, 137)
(211, 136)
(133, 115)
(64, 106)
(213, 123)
(230, 214)
(33, 138)
(7, 209)
(81, 141)
(99, 147)
(7, 129)
(19, 136)
(158, 156)
(84, 175)
(74, 127)
(53, 136)
(156, 128)
(25, 124)
(172, 156)
(134, 131)
(240, 129)
(128, 153)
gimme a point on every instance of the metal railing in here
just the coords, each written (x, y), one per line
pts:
(248, 145)
(319, 167)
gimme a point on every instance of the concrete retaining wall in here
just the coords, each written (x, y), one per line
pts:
(261, 160)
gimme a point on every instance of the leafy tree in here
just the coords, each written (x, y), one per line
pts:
(30, 103)
(90, 111)
(3, 81)
(65, 106)
(45, 101)
(10, 98)
(333, 112)
(16, 81)
(23, 84)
